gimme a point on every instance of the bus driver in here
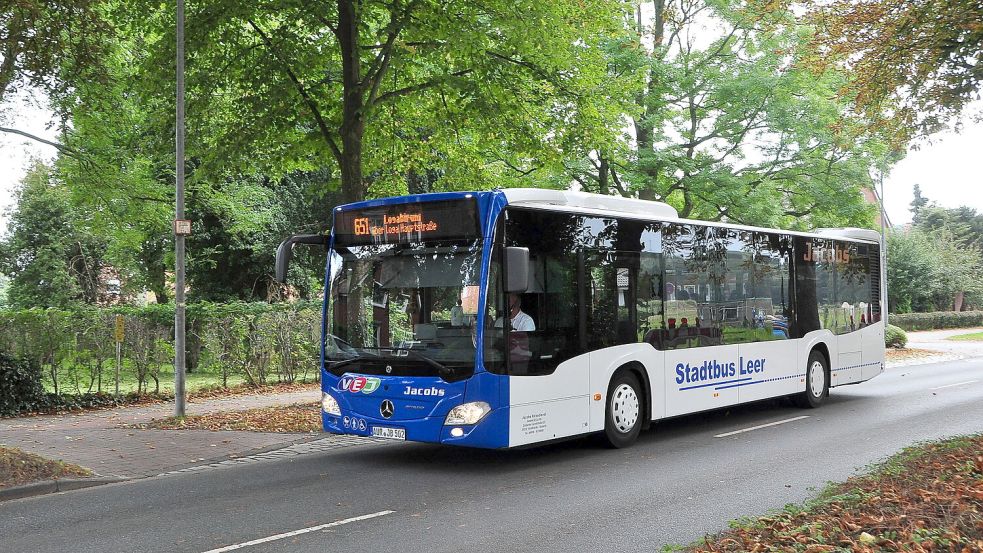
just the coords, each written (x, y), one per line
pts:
(520, 321)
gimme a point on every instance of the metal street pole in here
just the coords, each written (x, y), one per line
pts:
(179, 347)
(883, 274)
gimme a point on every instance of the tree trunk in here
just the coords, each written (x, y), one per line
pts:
(958, 301)
(603, 171)
(353, 116)
(644, 130)
(350, 164)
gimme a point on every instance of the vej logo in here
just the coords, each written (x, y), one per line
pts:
(429, 392)
(355, 384)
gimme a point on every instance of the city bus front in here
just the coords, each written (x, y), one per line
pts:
(402, 332)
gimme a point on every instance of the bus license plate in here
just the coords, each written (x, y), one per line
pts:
(389, 433)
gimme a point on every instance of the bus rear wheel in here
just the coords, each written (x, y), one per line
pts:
(817, 382)
(623, 418)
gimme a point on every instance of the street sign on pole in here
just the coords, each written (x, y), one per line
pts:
(119, 331)
(182, 227)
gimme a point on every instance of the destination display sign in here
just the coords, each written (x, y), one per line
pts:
(416, 222)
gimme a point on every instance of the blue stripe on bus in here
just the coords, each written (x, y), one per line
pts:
(761, 381)
(714, 384)
(857, 366)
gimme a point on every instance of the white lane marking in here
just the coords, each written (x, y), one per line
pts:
(956, 384)
(793, 419)
(299, 532)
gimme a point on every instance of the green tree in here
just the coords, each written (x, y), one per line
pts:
(122, 173)
(738, 127)
(926, 270)
(49, 261)
(48, 46)
(917, 61)
(919, 202)
(388, 90)
(239, 227)
(959, 229)
(4, 286)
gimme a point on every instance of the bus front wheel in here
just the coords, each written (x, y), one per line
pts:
(623, 419)
(817, 382)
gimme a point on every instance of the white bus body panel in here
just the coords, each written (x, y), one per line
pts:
(782, 369)
(604, 362)
(873, 350)
(699, 395)
(846, 368)
(550, 406)
(561, 404)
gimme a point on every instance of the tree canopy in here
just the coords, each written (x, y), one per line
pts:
(49, 47)
(293, 107)
(916, 62)
(738, 127)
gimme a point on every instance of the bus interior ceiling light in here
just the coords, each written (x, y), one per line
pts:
(467, 413)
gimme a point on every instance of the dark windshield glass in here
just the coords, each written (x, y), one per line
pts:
(404, 309)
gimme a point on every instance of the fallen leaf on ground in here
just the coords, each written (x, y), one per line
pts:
(299, 417)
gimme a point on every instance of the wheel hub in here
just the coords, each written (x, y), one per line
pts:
(624, 408)
(817, 379)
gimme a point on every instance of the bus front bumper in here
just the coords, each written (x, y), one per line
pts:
(490, 432)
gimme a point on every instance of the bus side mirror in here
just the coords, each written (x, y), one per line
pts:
(286, 249)
(517, 264)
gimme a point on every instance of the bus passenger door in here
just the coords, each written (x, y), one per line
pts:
(548, 369)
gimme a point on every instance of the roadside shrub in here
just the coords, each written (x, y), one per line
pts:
(20, 386)
(74, 350)
(938, 319)
(895, 337)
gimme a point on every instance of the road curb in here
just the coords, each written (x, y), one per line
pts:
(53, 486)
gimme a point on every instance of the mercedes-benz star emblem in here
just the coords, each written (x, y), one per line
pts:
(387, 409)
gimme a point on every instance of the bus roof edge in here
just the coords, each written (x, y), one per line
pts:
(619, 204)
(850, 232)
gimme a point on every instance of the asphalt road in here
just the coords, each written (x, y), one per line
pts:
(678, 483)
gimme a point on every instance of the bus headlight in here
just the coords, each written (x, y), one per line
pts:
(330, 404)
(467, 413)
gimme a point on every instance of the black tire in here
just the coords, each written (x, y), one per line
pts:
(815, 393)
(625, 410)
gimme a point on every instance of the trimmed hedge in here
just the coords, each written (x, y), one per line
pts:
(258, 343)
(937, 320)
(895, 337)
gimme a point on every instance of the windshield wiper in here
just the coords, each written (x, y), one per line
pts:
(343, 363)
(441, 368)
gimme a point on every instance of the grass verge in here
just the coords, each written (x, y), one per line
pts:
(971, 337)
(299, 417)
(19, 467)
(928, 497)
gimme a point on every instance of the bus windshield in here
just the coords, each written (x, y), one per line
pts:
(404, 309)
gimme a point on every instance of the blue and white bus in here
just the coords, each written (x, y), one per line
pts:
(512, 317)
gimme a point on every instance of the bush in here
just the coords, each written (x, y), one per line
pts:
(895, 337)
(938, 319)
(20, 386)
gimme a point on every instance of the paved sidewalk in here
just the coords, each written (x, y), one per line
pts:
(98, 441)
(937, 340)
